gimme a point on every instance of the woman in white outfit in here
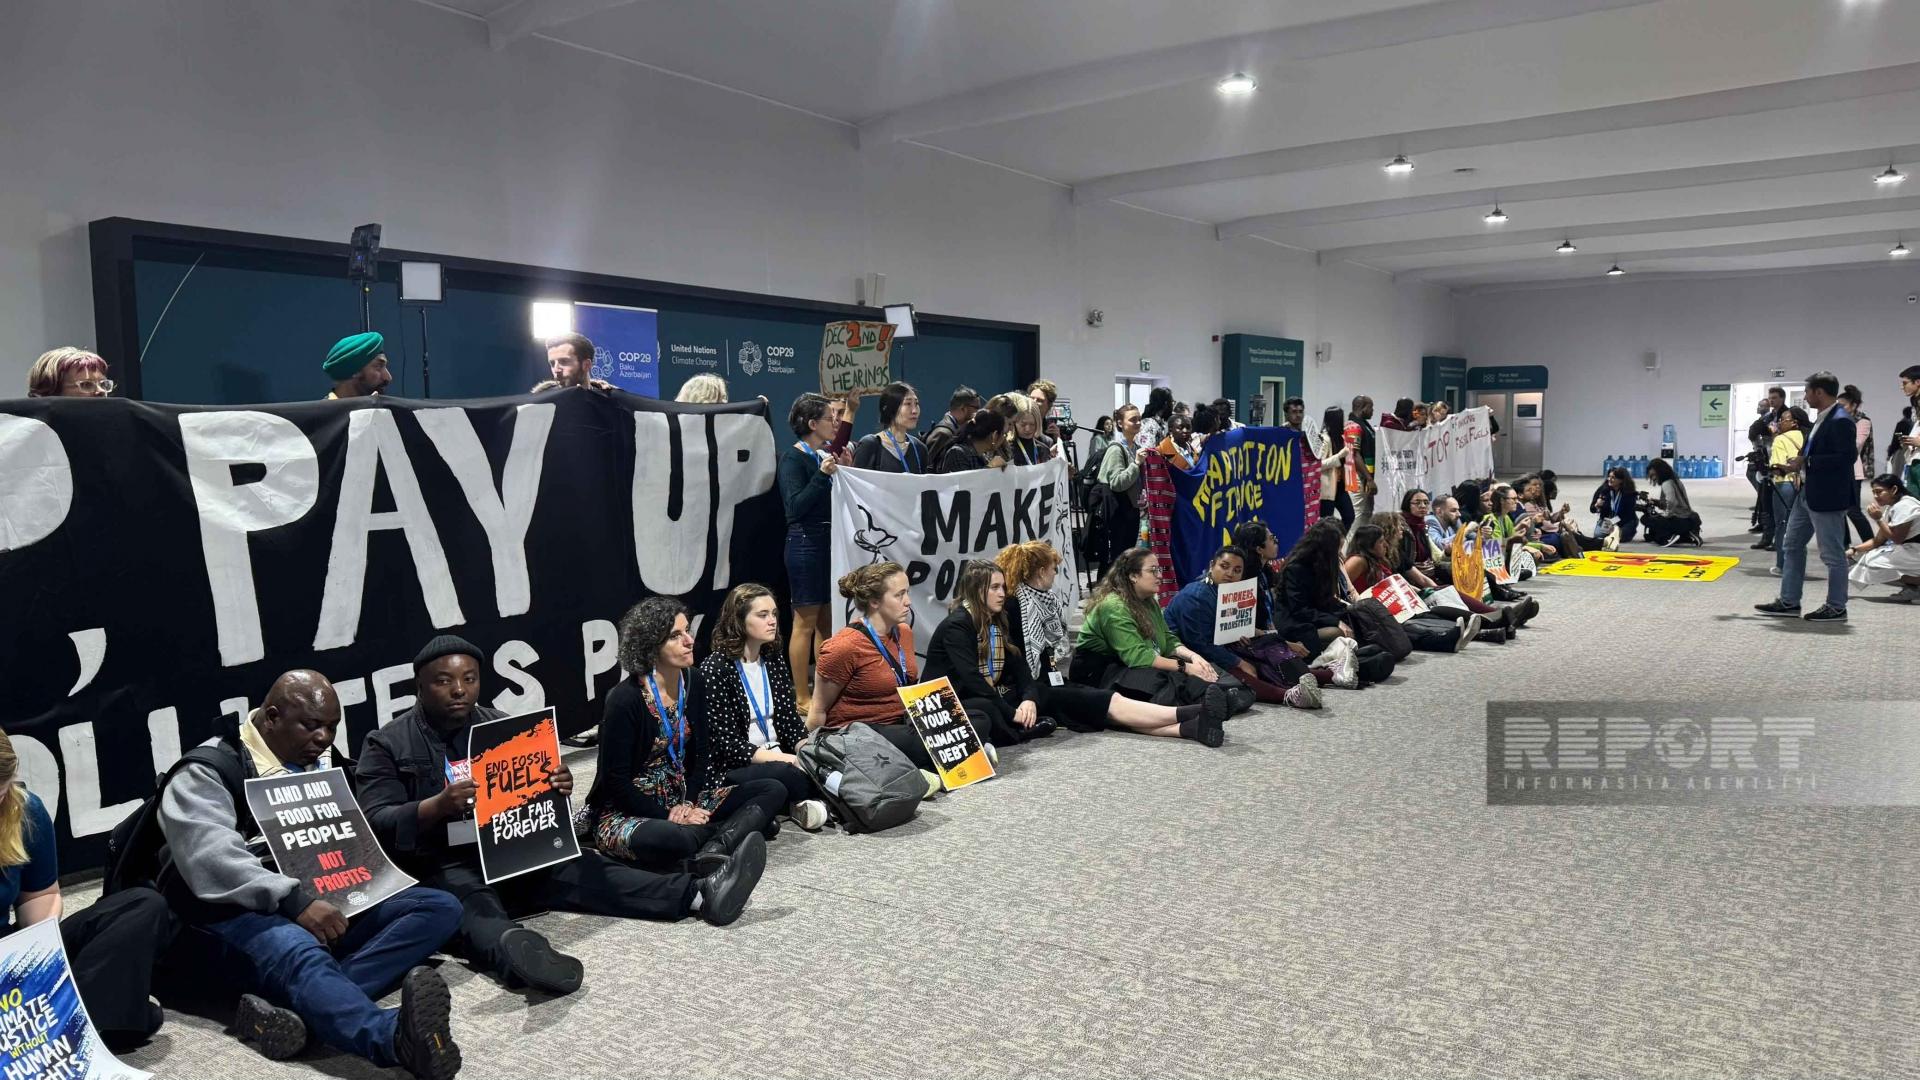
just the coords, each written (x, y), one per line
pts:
(1892, 556)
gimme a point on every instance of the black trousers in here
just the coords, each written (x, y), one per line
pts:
(1662, 527)
(1081, 708)
(111, 949)
(1123, 527)
(1859, 519)
(1342, 503)
(1762, 505)
(661, 844)
(791, 777)
(592, 883)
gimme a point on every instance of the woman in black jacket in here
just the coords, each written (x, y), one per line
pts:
(753, 727)
(1311, 608)
(655, 799)
(895, 448)
(980, 649)
(979, 444)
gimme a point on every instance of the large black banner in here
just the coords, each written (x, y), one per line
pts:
(160, 565)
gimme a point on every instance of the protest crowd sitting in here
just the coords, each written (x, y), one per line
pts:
(701, 759)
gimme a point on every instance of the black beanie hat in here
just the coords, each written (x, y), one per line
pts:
(448, 645)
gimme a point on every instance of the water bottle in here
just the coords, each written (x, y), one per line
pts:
(1608, 466)
(1716, 470)
(1640, 467)
(1689, 468)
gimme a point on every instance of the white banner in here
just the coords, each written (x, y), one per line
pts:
(932, 525)
(1434, 458)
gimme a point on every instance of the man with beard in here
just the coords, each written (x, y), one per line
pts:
(570, 360)
(417, 789)
(358, 366)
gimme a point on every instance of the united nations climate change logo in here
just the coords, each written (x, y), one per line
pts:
(602, 364)
(750, 360)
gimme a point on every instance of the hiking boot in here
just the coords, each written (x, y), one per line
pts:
(423, 1038)
(276, 1032)
(723, 893)
(532, 959)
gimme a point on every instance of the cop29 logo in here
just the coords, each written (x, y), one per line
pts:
(750, 359)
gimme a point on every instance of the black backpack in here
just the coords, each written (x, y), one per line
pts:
(1373, 624)
(134, 846)
(1376, 664)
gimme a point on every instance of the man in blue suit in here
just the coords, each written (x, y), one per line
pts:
(1821, 512)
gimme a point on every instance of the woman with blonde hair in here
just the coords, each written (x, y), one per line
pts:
(705, 388)
(746, 689)
(1027, 445)
(111, 945)
(68, 372)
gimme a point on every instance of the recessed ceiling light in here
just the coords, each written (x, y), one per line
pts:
(1497, 217)
(1566, 247)
(1889, 178)
(1399, 166)
(1237, 84)
(1899, 249)
(1616, 271)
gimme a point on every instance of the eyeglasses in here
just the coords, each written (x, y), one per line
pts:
(95, 386)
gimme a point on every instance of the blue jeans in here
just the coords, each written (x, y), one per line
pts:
(1830, 527)
(1785, 496)
(333, 991)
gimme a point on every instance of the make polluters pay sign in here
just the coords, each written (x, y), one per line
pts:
(525, 823)
(318, 835)
(1715, 399)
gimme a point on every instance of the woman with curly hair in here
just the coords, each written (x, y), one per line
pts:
(754, 729)
(656, 800)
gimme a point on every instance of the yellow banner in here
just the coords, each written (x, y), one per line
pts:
(936, 715)
(1649, 567)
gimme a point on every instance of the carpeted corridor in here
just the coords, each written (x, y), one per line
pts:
(1327, 895)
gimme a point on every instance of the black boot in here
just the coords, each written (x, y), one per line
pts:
(723, 893)
(1203, 722)
(276, 1032)
(423, 1038)
(726, 841)
(530, 958)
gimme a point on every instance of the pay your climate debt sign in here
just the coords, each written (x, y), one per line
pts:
(937, 717)
(166, 563)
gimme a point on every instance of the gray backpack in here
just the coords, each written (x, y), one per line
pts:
(867, 783)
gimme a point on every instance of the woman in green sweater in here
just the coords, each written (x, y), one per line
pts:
(1125, 646)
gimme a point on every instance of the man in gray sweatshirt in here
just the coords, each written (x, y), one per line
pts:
(308, 968)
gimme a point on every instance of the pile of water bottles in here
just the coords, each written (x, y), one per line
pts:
(1686, 466)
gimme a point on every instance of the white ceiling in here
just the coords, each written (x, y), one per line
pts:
(1672, 135)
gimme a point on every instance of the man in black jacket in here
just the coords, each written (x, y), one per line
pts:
(960, 409)
(417, 791)
(1827, 460)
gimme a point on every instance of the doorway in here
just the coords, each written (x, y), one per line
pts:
(1746, 400)
(1134, 389)
(1521, 417)
(1267, 408)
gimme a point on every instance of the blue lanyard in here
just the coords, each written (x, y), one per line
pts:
(810, 452)
(754, 707)
(993, 646)
(1026, 452)
(676, 735)
(898, 664)
(902, 455)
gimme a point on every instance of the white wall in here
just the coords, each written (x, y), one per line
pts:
(1855, 323)
(306, 117)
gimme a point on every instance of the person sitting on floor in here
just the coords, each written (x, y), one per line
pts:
(112, 945)
(1311, 610)
(417, 789)
(1031, 567)
(1892, 556)
(1556, 526)
(1404, 543)
(1615, 504)
(1506, 523)
(863, 666)
(656, 801)
(753, 726)
(306, 968)
(1125, 646)
(1669, 516)
(977, 649)
(1276, 673)
(1370, 561)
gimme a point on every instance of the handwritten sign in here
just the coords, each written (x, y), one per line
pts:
(855, 356)
(317, 833)
(1238, 603)
(524, 823)
(937, 717)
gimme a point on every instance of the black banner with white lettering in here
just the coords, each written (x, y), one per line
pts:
(316, 831)
(160, 565)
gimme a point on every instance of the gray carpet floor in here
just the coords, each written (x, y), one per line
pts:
(1326, 896)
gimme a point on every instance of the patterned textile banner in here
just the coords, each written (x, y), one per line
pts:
(932, 525)
(162, 564)
(1434, 458)
(1247, 474)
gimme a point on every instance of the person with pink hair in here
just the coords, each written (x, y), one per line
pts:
(68, 372)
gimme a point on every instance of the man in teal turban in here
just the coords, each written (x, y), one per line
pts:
(358, 366)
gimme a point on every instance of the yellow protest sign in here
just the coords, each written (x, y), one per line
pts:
(937, 717)
(1653, 566)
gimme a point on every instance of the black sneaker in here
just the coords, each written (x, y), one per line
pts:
(1764, 545)
(423, 1038)
(276, 1032)
(532, 959)
(584, 740)
(1778, 607)
(1827, 613)
(724, 891)
(1042, 728)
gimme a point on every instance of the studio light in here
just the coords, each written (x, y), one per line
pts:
(901, 316)
(1900, 250)
(1616, 271)
(551, 318)
(1566, 247)
(1399, 166)
(1238, 84)
(1889, 178)
(1497, 217)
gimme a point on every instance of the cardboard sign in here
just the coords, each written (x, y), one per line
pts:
(944, 729)
(1237, 604)
(44, 1028)
(1399, 598)
(524, 824)
(855, 356)
(1638, 567)
(318, 834)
